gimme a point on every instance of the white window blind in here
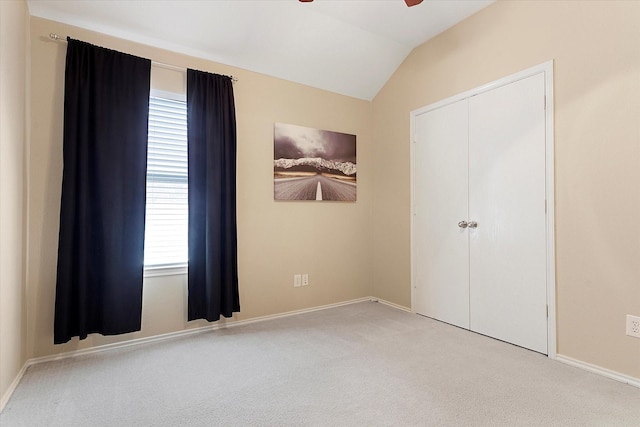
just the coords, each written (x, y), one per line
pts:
(166, 230)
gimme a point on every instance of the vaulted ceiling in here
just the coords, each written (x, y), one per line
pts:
(350, 47)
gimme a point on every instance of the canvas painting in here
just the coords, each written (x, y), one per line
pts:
(313, 164)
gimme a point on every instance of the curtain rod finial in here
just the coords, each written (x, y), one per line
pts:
(54, 36)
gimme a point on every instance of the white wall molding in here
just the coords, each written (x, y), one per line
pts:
(231, 323)
(391, 304)
(635, 382)
(223, 323)
(13, 386)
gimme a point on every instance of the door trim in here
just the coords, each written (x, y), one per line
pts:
(545, 68)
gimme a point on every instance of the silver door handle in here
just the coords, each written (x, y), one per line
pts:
(463, 224)
(473, 224)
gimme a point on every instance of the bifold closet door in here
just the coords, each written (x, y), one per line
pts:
(441, 247)
(507, 200)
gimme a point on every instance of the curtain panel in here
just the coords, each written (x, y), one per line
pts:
(211, 129)
(102, 212)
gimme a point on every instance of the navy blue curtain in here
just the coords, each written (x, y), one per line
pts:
(211, 130)
(102, 212)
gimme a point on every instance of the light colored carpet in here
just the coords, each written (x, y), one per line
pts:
(364, 364)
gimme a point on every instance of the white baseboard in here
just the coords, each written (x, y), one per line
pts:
(225, 323)
(391, 304)
(599, 370)
(222, 323)
(7, 395)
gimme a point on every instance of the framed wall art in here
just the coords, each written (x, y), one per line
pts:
(313, 164)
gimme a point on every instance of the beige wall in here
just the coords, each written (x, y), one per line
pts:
(329, 241)
(351, 249)
(596, 49)
(13, 67)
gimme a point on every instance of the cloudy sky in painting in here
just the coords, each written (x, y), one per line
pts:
(295, 142)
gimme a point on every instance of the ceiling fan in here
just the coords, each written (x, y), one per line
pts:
(408, 2)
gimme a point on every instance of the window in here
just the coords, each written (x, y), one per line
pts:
(166, 231)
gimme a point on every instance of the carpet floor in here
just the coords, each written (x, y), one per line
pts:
(363, 364)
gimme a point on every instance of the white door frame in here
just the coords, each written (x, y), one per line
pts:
(547, 69)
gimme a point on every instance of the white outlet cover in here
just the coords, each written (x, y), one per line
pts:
(633, 326)
(297, 280)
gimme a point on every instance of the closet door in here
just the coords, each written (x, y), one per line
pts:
(441, 247)
(507, 200)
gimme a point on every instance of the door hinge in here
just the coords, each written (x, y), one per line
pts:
(545, 206)
(547, 311)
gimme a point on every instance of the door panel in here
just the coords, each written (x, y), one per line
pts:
(441, 248)
(507, 200)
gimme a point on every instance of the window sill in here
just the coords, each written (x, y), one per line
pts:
(165, 270)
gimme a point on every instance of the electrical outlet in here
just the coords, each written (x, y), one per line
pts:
(633, 326)
(297, 280)
(305, 279)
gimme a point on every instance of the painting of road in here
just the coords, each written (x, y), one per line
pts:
(313, 164)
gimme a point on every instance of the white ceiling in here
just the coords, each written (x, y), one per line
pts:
(350, 47)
